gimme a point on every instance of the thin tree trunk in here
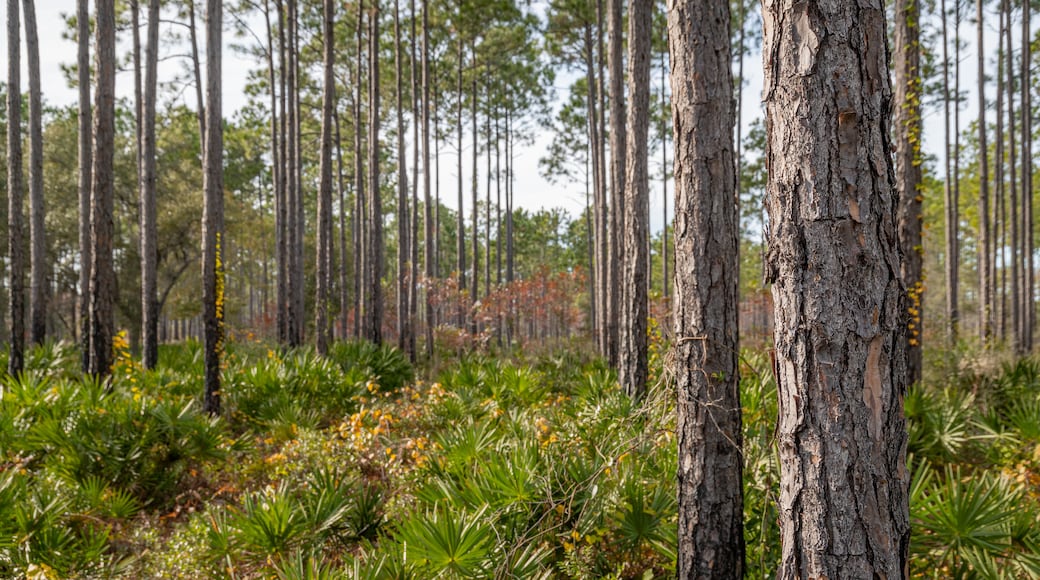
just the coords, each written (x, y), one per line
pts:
(1000, 233)
(84, 184)
(360, 203)
(403, 225)
(460, 234)
(413, 278)
(598, 195)
(16, 265)
(1016, 304)
(281, 189)
(985, 299)
(299, 214)
(475, 186)
(665, 289)
(616, 252)
(632, 355)
(102, 276)
(325, 243)
(430, 257)
(149, 231)
(1028, 302)
(293, 283)
(907, 110)
(200, 104)
(213, 298)
(839, 299)
(711, 540)
(37, 210)
(950, 258)
(375, 246)
(344, 299)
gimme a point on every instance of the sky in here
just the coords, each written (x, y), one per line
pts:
(532, 190)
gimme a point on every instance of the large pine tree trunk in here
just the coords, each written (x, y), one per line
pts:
(213, 298)
(907, 109)
(632, 355)
(840, 303)
(324, 273)
(102, 275)
(85, 165)
(37, 211)
(360, 203)
(149, 231)
(711, 540)
(16, 265)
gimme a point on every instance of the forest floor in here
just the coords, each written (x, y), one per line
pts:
(349, 466)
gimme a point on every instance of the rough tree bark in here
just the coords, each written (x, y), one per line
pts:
(632, 354)
(15, 193)
(213, 211)
(711, 501)
(840, 303)
(149, 231)
(907, 109)
(324, 274)
(102, 275)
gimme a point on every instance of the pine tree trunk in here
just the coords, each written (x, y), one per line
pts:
(430, 256)
(280, 129)
(413, 278)
(375, 207)
(711, 541)
(616, 252)
(196, 64)
(632, 356)
(213, 210)
(460, 216)
(37, 210)
(360, 203)
(950, 258)
(324, 217)
(907, 110)
(599, 197)
(15, 193)
(403, 225)
(1000, 220)
(298, 217)
(839, 300)
(149, 231)
(1028, 301)
(1016, 304)
(985, 299)
(84, 184)
(102, 276)
(474, 194)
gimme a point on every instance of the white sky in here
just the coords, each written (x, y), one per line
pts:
(532, 191)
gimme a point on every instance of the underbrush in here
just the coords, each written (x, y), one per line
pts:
(349, 467)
